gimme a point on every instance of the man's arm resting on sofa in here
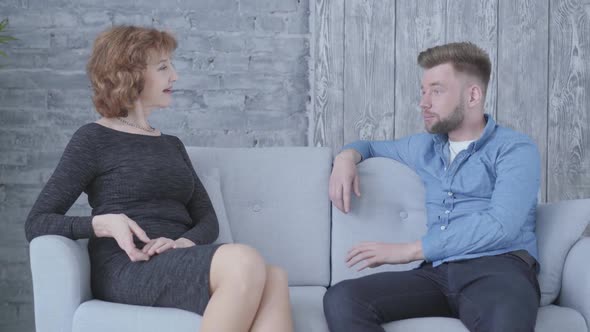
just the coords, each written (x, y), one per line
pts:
(61, 281)
(344, 179)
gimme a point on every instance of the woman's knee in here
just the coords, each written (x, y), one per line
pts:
(238, 264)
(277, 276)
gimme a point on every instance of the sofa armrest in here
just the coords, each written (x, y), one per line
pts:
(575, 288)
(61, 281)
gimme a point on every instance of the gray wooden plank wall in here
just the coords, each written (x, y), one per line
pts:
(366, 80)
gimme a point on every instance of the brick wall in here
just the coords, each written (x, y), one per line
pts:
(243, 67)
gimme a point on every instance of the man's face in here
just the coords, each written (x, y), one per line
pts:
(442, 102)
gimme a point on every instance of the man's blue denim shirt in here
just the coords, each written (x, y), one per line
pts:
(483, 203)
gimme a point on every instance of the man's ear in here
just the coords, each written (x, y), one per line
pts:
(475, 94)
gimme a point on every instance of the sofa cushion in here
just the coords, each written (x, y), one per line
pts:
(553, 318)
(308, 309)
(427, 324)
(391, 209)
(549, 319)
(559, 226)
(100, 316)
(211, 182)
(277, 201)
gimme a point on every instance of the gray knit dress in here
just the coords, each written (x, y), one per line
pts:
(151, 180)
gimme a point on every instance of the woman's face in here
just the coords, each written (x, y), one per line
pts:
(159, 77)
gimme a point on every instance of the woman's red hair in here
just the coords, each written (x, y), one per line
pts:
(117, 65)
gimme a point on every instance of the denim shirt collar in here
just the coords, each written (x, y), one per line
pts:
(442, 139)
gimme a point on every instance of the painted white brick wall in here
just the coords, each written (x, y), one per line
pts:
(243, 68)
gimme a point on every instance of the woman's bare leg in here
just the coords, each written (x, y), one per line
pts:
(237, 281)
(274, 312)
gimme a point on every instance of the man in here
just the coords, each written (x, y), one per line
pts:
(481, 184)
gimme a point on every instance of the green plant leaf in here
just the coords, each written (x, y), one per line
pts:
(3, 24)
(4, 39)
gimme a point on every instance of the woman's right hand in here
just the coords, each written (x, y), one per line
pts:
(121, 228)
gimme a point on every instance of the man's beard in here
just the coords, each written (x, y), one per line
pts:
(452, 122)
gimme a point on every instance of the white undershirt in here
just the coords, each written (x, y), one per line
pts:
(456, 147)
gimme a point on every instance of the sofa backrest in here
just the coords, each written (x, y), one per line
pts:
(559, 226)
(276, 200)
(390, 209)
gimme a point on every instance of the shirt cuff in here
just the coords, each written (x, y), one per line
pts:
(362, 147)
(82, 228)
(191, 236)
(432, 247)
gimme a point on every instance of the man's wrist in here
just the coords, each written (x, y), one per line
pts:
(349, 155)
(417, 253)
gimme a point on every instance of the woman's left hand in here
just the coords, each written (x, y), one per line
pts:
(158, 246)
(184, 243)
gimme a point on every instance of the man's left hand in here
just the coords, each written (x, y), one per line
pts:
(374, 254)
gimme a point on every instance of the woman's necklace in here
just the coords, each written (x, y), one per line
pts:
(149, 130)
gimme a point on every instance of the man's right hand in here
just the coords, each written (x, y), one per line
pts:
(121, 228)
(344, 179)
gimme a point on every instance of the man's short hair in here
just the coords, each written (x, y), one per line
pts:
(118, 62)
(465, 57)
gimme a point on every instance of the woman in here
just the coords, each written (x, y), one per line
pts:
(152, 222)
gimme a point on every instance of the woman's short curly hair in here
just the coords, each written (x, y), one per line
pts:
(117, 65)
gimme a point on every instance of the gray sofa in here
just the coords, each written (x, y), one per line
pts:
(276, 200)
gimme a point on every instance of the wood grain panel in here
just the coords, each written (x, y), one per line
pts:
(569, 100)
(420, 25)
(522, 72)
(476, 22)
(369, 69)
(328, 54)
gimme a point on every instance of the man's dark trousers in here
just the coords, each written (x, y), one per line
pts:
(493, 293)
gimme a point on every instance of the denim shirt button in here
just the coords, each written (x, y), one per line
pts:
(443, 227)
(447, 212)
(450, 193)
